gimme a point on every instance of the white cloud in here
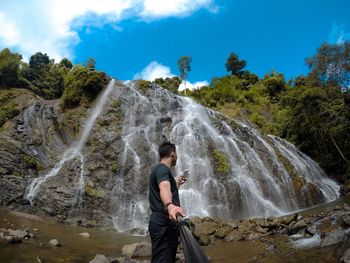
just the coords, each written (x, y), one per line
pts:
(192, 86)
(50, 26)
(156, 70)
(338, 34)
(164, 8)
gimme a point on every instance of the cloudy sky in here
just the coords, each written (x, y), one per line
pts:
(144, 38)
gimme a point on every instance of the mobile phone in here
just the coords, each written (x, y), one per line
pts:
(185, 173)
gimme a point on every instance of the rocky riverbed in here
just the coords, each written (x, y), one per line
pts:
(317, 235)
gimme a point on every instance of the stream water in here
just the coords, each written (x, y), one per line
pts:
(110, 242)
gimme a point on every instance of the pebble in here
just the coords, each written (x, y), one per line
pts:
(55, 243)
(84, 234)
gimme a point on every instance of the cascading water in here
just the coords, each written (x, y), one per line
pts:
(73, 152)
(308, 168)
(256, 184)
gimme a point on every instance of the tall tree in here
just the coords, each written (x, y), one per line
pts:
(332, 64)
(66, 63)
(9, 67)
(90, 64)
(39, 61)
(235, 65)
(184, 63)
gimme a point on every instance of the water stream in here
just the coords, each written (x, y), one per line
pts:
(74, 151)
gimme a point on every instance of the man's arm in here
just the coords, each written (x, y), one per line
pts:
(166, 196)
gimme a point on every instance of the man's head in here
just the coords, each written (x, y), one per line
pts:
(167, 150)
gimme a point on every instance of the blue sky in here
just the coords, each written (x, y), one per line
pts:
(144, 38)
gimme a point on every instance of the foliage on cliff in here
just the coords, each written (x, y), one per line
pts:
(310, 111)
(82, 86)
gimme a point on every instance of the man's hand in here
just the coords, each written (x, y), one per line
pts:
(181, 180)
(173, 210)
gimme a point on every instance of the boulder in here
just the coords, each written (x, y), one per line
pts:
(19, 233)
(142, 249)
(99, 258)
(346, 256)
(234, 235)
(334, 237)
(312, 230)
(206, 228)
(222, 231)
(294, 228)
(253, 236)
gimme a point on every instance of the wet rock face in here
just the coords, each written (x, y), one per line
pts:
(29, 145)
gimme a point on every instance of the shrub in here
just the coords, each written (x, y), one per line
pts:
(221, 162)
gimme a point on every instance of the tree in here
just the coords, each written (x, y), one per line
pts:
(81, 87)
(66, 63)
(184, 67)
(39, 61)
(332, 64)
(171, 84)
(235, 65)
(9, 68)
(90, 64)
(275, 84)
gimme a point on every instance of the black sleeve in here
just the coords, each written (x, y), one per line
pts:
(162, 174)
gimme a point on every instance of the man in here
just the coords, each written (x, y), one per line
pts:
(165, 204)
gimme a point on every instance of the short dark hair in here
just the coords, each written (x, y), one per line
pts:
(165, 149)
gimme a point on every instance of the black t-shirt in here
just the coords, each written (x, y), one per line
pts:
(161, 172)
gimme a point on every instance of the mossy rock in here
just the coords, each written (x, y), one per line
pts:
(115, 168)
(221, 162)
(8, 108)
(95, 192)
(298, 182)
(116, 104)
(32, 162)
(143, 85)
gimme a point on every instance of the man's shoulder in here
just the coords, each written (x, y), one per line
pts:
(160, 167)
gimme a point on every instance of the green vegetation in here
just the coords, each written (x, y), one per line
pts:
(331, 65)
(95, 192)
(235, 65)
(298, 182)
(82, 86)
(50, 80)
(171, 84)
(115, 167)
(184, 64)
(8, 108)
(221, 163)
(9, 68)
(310, 111)
(32, 162)
(143, 85)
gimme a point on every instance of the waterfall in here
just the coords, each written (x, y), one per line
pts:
(308, 168)
(234, 170)
(256, 184)
(74, 151)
